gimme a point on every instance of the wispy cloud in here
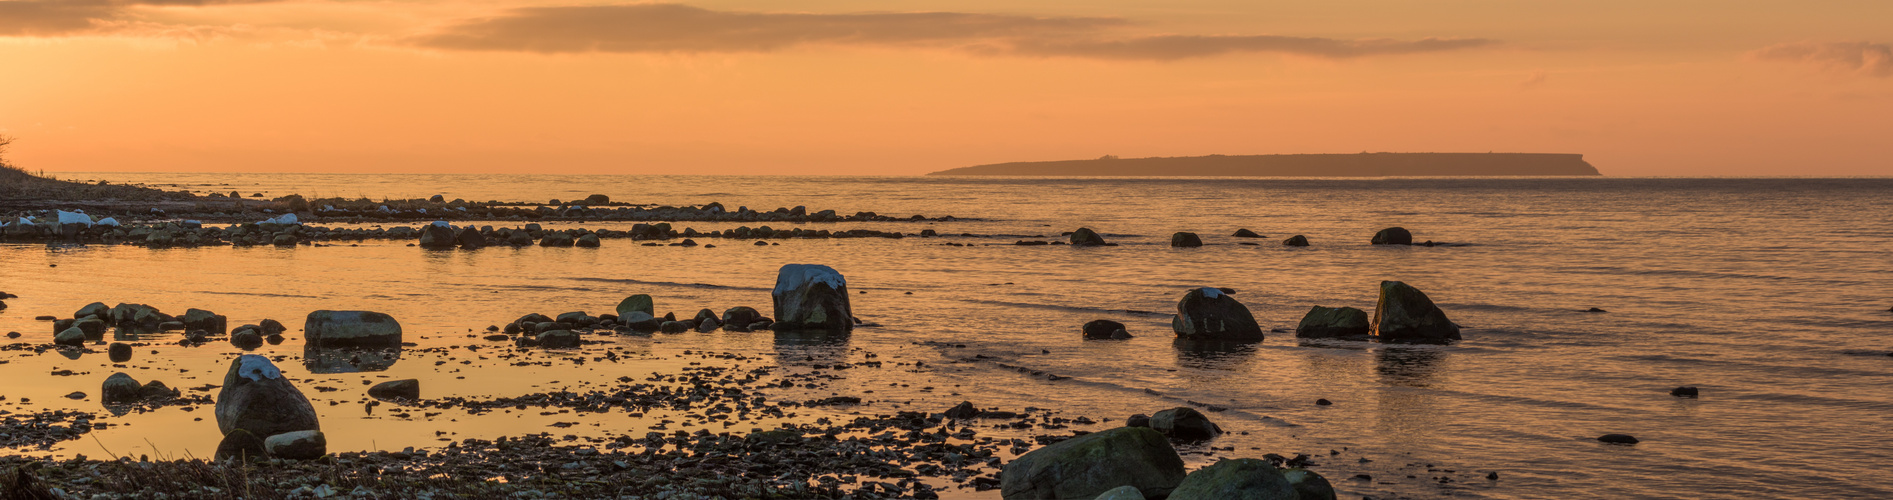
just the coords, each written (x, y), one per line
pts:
(50, 18)
(1861, 58)
(672, 28)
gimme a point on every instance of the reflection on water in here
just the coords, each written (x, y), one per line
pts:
(1408, 366)
(1214, 354)
(811, 346)
(347, 360)
(130, 333)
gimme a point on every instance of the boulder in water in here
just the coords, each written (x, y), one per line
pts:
(1185, 423)
(298, 445)
(1405, 314)
(1295, 241)
(641, 321)
(1618, 439)
(1323, 322)
(120, 388)
(199, 319)
(95, 309)
(588, 240)
(470, 238)
(1185, 240)
(351, 329)
(1101, 328)
(1089, 465)
(963, 410)
(1211, 314)
(91, 326)
(119, 352)
(1239, 479)
(1685, 392)
(246, 339)
(408, 389)
(1085, 237)
(708, 325)
(636, 303)
(739, 318)
(256, 397)
(438, 235)
(1245, 233)
(811, 297)
(673, 327)
(72, 337)
(1393, 236)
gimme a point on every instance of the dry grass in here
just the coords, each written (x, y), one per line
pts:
(17, 184)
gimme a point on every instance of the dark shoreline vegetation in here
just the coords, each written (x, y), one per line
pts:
(1301, 165)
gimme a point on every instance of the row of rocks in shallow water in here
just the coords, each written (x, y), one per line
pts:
(1402, 314)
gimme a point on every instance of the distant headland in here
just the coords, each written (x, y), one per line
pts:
(1302, 165)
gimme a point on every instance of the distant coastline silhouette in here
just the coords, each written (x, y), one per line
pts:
(1303, 165)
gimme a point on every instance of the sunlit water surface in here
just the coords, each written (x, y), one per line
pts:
(1771, 295)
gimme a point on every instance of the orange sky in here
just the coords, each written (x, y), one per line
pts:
(1700, 87)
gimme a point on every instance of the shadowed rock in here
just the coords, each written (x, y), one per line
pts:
(1185, 423)
(1210, 314)
(199, 319)
(811, 297)
(256, 397)
(1102, 328)
(1089, 465)
(1322, 322)
(1295, 241)
(558, 339)
(1085, 237)
(350, 329)
(1393, 236)
(438, 235)
(1245, 233)
(1185, 240)
(1239, 479)
(637, 303)
(298, 445)
(240, 445)
(738, 319)
(1404, 314)
(407, 389)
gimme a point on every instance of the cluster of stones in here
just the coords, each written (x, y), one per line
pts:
(1402, 314)
(90, 322)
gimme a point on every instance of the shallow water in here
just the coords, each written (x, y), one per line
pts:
(1768, 294)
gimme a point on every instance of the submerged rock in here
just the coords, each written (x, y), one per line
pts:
(256, 397)
(1210, 314)
(351, 328)
(408, 389)
(1102, 328)
(1322, 322)
(1185, 423)
(1185, 240)
(1393, 236)
(1089, 465)
(246, 339)
(1295, 241)
(1239, 479)
(1405, 314)
(1085, 237)
(1618, 439)
(1684, 392)
(120, 388)
(1245, 233)
(811, 297)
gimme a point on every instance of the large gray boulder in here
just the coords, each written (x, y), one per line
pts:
(1405, 314)
(256, 397)
(811, 297)
(637, 303)
(351, 328)
(1393, 236)
(1239, 479)
(1185, 423)
(1210, 314)
(1089, 465)
(1323, 322)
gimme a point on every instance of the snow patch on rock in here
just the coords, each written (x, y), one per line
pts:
(797, 276)
(257, 368)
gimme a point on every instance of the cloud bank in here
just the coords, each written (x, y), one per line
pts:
(49, 18)
(1861, 58)
(672, 28)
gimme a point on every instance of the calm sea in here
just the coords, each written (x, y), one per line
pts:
(1770, 295)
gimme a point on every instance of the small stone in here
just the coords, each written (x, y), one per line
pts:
(1323, 402)
(1684, 392)
(1618, 439)
(1596, 310)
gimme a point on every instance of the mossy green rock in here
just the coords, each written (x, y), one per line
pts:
(1090, 465)
(1323, 322)
(637, 303)
(1239, 479)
